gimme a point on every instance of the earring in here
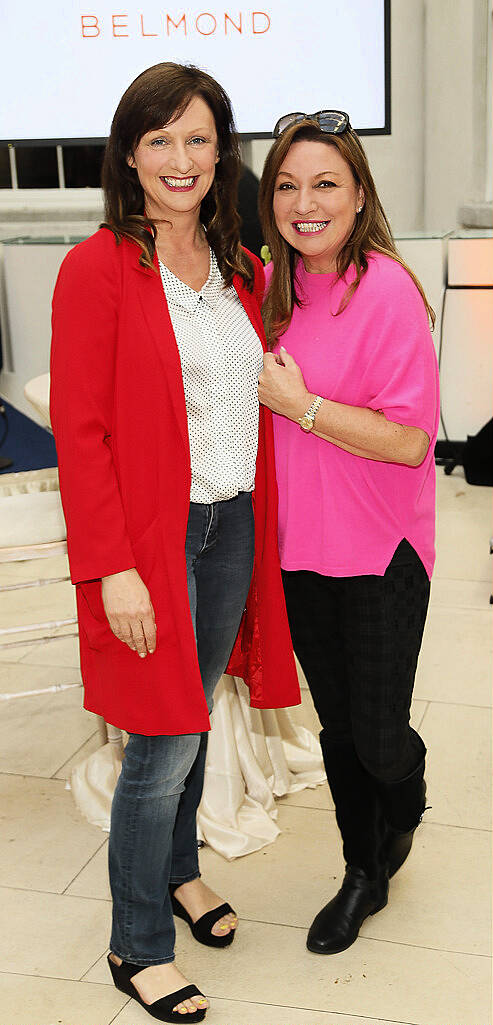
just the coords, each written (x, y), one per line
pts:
(359, 209)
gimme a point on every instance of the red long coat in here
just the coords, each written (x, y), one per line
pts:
(119, 419)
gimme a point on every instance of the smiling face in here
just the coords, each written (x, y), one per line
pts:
(176, 164)
(315, 203)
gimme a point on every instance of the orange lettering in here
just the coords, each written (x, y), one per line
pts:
(228, 18)
(89, 25)
(142, 28)
(119, 24)
(176, 24)
(260, 31)
(205, 14)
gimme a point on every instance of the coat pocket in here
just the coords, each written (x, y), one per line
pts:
(92, 617)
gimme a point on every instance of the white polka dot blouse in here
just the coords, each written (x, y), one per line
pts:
(221, 359)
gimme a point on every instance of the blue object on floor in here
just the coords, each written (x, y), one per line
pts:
(29, 446)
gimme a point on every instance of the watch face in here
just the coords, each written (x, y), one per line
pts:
(306, 423)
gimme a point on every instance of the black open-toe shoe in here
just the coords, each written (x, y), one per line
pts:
(161, 1009)
(201, 929)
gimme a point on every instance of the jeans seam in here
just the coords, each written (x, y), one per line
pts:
(127, 918)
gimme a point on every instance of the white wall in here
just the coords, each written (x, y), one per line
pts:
(456, 124)
(437, 156)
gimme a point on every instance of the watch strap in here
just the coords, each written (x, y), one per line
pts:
(310, 414)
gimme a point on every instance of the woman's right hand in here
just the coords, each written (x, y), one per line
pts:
(129, 610)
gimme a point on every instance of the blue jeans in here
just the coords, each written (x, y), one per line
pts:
(153, 838)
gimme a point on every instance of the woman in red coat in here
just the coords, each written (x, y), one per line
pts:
(157, 348)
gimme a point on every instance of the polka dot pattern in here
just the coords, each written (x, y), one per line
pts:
(221, 359)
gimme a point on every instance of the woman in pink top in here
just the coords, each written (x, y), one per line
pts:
(354, 386)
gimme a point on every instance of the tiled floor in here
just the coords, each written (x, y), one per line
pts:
(423, 960)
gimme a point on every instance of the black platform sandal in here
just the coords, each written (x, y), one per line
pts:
(161, 1009)
(201, 929)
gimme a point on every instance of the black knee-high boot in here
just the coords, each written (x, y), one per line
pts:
(360, 820)
(403, 803)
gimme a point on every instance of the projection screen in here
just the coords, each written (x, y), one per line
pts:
(64, 66)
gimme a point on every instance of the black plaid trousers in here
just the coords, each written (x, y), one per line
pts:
(358, 641)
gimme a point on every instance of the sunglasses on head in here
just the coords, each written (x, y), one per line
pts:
(333, 122)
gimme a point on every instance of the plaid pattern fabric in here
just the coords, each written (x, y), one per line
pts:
(358, 641)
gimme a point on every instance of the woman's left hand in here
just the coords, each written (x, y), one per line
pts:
(281, 386)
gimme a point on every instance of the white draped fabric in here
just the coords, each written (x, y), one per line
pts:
(253, 757)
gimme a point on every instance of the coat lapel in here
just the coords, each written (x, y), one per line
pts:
(156, 313)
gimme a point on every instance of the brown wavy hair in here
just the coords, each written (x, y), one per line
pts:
(157, 97)
(371, 230)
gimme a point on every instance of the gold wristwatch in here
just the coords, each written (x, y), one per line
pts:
(308, 419)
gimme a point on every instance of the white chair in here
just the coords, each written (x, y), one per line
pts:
(31, 527)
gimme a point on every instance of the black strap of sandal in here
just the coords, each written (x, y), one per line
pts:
(172, 1000)
(204, 925)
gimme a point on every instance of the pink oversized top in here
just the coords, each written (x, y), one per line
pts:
(341, 514)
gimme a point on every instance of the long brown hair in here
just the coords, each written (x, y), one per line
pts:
(158, 96)
(371, 231)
